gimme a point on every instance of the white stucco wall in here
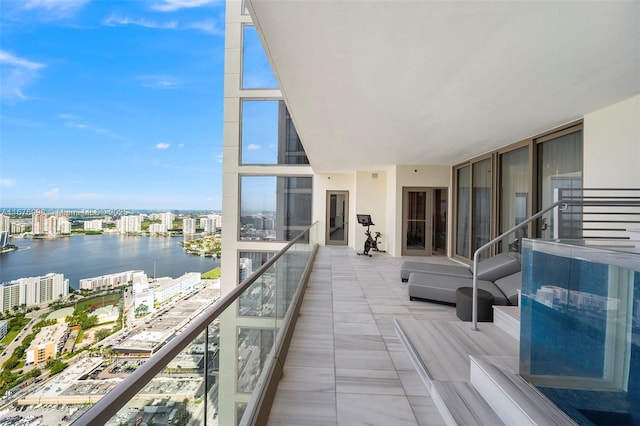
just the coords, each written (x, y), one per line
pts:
(371, 198)
(612, 146)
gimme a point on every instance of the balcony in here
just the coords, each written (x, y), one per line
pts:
(360, 352)
(346, 362)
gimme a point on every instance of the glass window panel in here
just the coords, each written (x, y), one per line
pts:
(256, 70)
(514, 196)
(274, 207)
(268, 134)
(254, 345)
(260, 299)
(560, 167)
(481, 207)
(259, 131)
(463, 192)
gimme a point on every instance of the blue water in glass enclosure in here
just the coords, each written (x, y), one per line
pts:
(580, 328)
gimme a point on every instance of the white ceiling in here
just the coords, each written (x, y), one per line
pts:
(375, 83)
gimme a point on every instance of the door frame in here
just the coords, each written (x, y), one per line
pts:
(430, 219)
(428, 237)
(345, 240)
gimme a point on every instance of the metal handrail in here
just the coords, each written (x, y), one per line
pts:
(474, 298)
(114, 400)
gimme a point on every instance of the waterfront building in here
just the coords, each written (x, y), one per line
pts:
(188, 226)
(4, 238)
(33, 291)
(5, 223)
(64, 226)
(157, 228)
(211, 223)
(51, 225)
(167, 220)
(108, 281)
(38, 222)
(47, 344)
(93, 225)
(129, 224)
(18, 228)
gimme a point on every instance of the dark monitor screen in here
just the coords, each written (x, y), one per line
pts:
(364, 219)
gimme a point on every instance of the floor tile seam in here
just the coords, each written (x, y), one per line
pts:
(332, 308)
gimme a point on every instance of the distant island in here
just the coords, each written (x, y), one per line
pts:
(208, 246)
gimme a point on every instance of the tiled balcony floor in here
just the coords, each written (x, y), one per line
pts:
(346, 365)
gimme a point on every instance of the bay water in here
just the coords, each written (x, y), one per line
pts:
(86, 256)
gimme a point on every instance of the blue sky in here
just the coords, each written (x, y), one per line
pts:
(111, 104)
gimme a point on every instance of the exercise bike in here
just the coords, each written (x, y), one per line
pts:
(371, 242)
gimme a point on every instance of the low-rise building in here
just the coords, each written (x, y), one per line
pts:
(108, 281)
(47, 344)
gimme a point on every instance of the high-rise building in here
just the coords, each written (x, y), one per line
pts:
(167, 220)
(18, 228)
(129, 224)
(188, 226)
(5, 223)
(64, 226)
(33, 291)
(93, 225)
(4, 238)
(38, 222)
(157, 228)
(441, 166)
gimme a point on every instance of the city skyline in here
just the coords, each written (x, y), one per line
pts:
(111, 105)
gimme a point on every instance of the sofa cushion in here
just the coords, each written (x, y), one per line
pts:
(442, 288)
(510, 285)
(496, 267)
(432, 268)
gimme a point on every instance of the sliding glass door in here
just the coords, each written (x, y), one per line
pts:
(560, 168)
(514, 199)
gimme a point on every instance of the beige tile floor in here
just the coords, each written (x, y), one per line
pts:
(346, 365)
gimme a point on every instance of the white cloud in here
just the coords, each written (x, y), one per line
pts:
(180, 145)
(115, 20)
(7, 182)
(162, 145)
(66, 116)
(53, 194)
(209, 26)
(12, 60)
(16, 73)
(55, 9)
(253, 147)
(72, 122)
(172, 5)
(160, 81)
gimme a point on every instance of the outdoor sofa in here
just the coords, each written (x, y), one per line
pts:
(499, 275)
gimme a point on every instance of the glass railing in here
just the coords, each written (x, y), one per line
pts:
(222, 368)
(580, 327)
